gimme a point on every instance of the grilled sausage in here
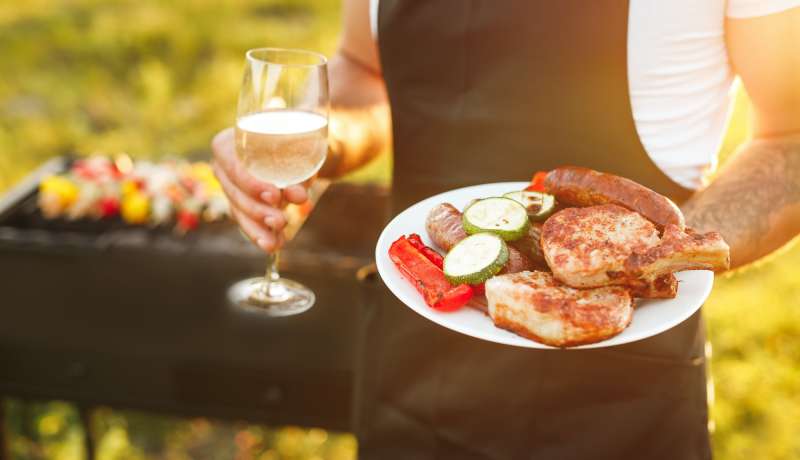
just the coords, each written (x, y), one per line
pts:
(445, 230)
(517, 262)
(444, 226)
(531, 245)
(575, 186)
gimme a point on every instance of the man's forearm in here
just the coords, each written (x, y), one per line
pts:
(360, 125)
(754, 201)
(355, 137)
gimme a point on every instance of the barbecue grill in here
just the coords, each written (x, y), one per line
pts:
(100, 312)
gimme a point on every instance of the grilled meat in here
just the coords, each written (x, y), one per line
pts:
(537, 306)
(680, 250)
(575, 186)
(444, 226)
(582, 245)
(610, 245)
(661, 287)
(531, 246)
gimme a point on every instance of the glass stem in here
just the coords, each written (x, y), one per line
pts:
(271, 276)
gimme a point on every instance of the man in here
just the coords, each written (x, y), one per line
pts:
(486, 91)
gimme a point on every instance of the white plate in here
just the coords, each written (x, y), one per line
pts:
(651, 317)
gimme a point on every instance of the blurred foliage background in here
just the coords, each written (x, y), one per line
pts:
(155, 78)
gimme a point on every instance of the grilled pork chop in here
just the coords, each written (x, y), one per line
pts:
(537, 306)
(610, 245)
(680, 250)
(661, 287)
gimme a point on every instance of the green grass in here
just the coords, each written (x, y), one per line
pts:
(148, 78)
(157, 78)
(753, 320)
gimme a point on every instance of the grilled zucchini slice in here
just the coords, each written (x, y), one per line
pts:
(538, 205)
(502, 216)
(475, 259)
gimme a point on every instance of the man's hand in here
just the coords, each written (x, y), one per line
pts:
(254, 204)
(359, 129)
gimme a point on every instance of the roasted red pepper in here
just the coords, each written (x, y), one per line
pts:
(415, 240)
(427, 277)
(109, 206)
(187, 220)
(426, 251)
(537, 182)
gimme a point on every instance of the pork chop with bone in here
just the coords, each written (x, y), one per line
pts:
(610, 245)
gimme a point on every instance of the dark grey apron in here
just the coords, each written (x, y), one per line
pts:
(484, 91)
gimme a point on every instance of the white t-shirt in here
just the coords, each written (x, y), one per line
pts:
(679, 78)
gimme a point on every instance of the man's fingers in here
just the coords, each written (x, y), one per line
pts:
(222, 140)
(255, 210)
(275, 219)
(224, 147)
(262, 191)
(296, 194)
(259, 235)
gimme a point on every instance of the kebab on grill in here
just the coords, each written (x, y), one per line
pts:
(172, 192)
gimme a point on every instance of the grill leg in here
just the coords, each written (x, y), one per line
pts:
(85, 412)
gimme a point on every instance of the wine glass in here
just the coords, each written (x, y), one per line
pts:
(281, 138)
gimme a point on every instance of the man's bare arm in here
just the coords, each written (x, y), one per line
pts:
(754, 201)
(360, 126)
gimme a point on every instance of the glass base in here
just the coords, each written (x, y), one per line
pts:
(286, 297)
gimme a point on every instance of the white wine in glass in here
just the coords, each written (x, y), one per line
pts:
(282, 146)
(281, 138)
